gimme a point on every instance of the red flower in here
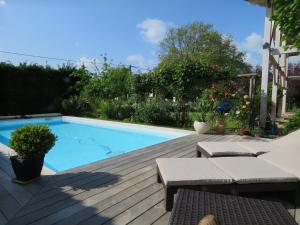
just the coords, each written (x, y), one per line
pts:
(211, 96)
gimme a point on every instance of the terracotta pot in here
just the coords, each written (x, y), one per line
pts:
(245, 131)
(220, 127)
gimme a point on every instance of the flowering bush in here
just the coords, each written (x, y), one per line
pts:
(242, 111)
(227, 100)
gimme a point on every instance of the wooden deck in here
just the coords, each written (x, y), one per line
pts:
(119, 190)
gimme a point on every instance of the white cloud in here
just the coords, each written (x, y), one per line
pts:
(153, 30)
(250, 59)
(253, 43)
(90, 63)
(252, 46)
(140, 61)
(2, 3)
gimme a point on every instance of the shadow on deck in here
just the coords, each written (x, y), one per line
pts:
(119, 190)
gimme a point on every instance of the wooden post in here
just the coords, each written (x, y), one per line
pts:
(276, 75)
(250, 87)
(285, 84)
(265, 71)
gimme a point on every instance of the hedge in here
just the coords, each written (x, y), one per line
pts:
(29, 89)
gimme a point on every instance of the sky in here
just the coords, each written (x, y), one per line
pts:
(127, 32)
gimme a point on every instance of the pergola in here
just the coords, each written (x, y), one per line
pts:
(275, 61)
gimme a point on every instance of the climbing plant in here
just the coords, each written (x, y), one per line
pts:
(286, 15)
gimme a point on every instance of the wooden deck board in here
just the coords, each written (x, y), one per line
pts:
(9, 205)
(3, 219)
(79, 195)
(97, 183)
(119, 190)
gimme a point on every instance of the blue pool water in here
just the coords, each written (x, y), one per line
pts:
(79, 143)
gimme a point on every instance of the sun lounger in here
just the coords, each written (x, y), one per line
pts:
(191, 206)
(224, 149)
(249, 148)
(224, 174)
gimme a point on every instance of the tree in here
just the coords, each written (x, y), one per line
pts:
(286, 15)
(185, 79)
(143, 85)
(111, 83)
(200, 42)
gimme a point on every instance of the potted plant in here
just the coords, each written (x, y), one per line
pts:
(201, 127)
(201, 123)
(221, 111)
(31, 143)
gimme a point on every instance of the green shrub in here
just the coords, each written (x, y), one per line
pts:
(157, 112)
(75, 105)
(293, 123)
(115, 110)
(32, 140)
(31, 88)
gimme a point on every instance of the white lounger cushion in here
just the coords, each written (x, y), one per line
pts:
(290, 141)
(288, 160)
(259, 147)
(245, 170)
(224, 149)
(251, 148)
(190, 171)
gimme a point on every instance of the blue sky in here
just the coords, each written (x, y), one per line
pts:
(127, 31)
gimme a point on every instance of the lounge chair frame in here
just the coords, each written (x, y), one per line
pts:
(228, 209)
(233, 188)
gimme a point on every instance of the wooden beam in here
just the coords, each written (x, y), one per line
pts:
(247, 75)
(293, 77)
(264, 3)
(281, 51)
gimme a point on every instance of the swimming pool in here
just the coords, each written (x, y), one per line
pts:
(82, 141)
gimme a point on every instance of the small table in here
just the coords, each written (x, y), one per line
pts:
(191, 206)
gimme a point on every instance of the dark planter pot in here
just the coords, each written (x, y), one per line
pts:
(27, 169)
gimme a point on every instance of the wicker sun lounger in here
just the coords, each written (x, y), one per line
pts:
(247, 148)
(226, 175)
(191, 206)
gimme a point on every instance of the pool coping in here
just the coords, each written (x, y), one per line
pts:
(6, 150)
(141, 127)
